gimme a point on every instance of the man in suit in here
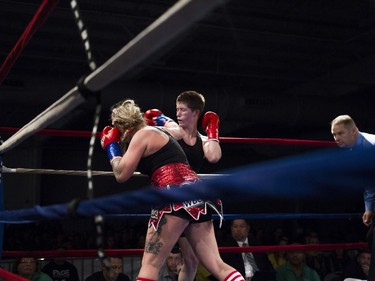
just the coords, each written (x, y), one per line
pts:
(255, 266)
(111, 273)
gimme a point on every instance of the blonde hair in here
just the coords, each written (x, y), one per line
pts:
(126, 115)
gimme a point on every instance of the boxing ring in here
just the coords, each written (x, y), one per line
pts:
(321, 173)
(326, 172)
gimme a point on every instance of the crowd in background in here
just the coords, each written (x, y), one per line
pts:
(129, 234)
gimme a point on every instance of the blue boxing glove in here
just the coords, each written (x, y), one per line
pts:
(154, 117)
(109, 140)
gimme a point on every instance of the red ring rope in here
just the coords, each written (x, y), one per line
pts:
(134, 252)
(38, 19)
(277, 141)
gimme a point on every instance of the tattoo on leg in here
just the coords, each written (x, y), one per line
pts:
(153, 245)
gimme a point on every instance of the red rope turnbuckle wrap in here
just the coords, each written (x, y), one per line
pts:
(275, 141)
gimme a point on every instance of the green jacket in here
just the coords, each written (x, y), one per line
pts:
(41, 276)
(285, 273)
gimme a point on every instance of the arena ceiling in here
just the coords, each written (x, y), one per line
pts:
(275, 68)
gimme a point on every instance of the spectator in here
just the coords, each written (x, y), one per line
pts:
(318, 260)
(278, 233)
(172, 266)
(254, 266)
(110, 242)
(295, 268)
(61, 270)
(111, 273)
(27, 267)
(340, 260)
(278, 258)
(359, 268)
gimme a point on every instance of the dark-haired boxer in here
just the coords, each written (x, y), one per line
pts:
(197, 147)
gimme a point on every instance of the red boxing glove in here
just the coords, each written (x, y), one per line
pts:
(109, 139)
(210, 124)
(154, 117)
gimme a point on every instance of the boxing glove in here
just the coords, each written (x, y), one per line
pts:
(210, 124)
(154, 117)
(109, 139)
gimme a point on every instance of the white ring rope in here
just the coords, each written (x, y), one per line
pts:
(7, 170)
(84, 34)
(56, 172)
(161, 32)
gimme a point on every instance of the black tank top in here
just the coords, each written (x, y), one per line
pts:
(171, 152)
(194, 153)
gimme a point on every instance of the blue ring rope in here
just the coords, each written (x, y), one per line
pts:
(331, 172)
(263, 216)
